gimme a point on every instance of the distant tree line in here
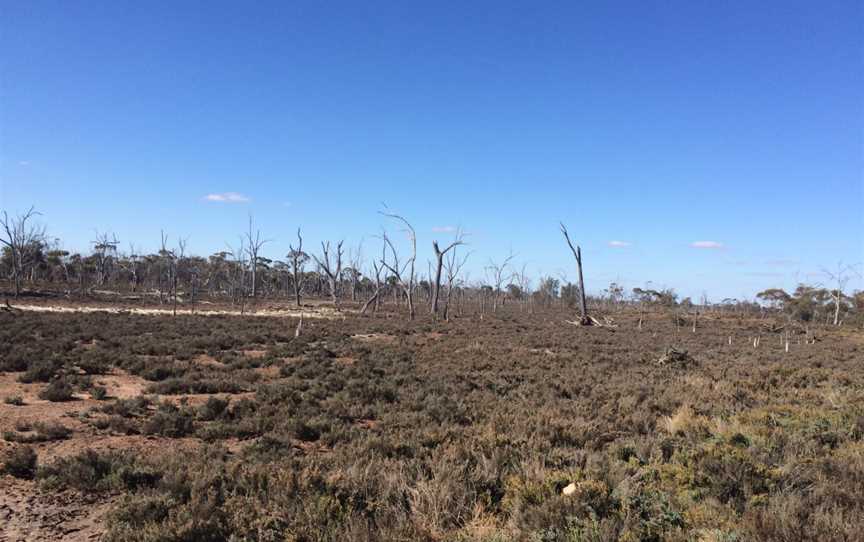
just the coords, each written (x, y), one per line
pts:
(241, 275)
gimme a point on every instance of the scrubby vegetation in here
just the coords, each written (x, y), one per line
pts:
(20, 462)
(38, 432)
(509, 428)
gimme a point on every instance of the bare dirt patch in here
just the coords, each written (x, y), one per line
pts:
(316, 312)
(28, 513)
(121, 385)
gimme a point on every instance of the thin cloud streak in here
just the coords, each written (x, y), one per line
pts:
(227, 197)
(619, 244)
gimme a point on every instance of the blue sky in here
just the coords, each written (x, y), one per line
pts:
(658, 125)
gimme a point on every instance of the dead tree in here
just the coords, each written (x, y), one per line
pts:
(253, 247)
(171, 257)
(499, 277)
(355, 260)
(180, 254)
(105, 251)
(165, 255)
(840, 278)
(376, 295)
(585, 320)
(524, 283)
(236, 274)
(439, 263)
(131, 264)
(298, 260)
(332, 269)
(19, 235)
(406, 282)
(453, 265)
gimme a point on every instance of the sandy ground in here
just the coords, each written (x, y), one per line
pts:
(317, 312)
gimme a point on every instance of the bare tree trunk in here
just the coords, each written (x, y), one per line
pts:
(439, 264)
(406, 282)
(577, 253)
(837, 300)
(373, 299)
(254, 247)
(582, 305)
(327, 266)
(298, 258)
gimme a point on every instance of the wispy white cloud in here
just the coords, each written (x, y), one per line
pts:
(707, 244)
(444, 229)
(619, 244)
(227, 197)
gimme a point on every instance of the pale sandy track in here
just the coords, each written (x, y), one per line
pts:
(317, 313)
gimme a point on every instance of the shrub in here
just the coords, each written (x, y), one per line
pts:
(57, 391)
(99, 393)
(14, 400)
(90, 471)
(123, 426)
(169, 421)
(94, 366)
(39, 371)
(20, 462)
(212, 409)
(42, 432)
(306, 432)
(189, 384)
(161, 372)
(127, 408)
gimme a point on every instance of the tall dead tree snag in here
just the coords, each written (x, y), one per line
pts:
(453, 265)
(406, 282)
(298, 260)
(253, 246)
(352, 273)
(332, 269)
(19, 235)
(439, 264)
(499, 276)
(585, 320)
(840, 278)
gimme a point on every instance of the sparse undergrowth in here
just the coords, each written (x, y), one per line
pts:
(511, 428)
